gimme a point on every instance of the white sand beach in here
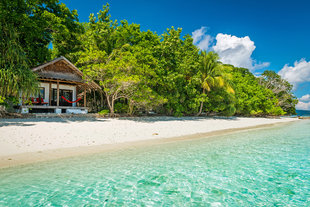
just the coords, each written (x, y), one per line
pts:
(37, 139)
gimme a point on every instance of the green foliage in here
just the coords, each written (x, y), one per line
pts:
(138, 71)
(144, 99)
(15, 76)
(176, 73)
(116, 58)
(214, 76)
(38, 23)
(253, 98)
(281, 88)
(165, 73)
(103, 112)
(221, 102)
(27, 28)
(121, 108)
(2, 99)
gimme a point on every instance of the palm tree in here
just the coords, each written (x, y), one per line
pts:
(212, 75)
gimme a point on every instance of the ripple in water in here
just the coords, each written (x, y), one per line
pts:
(267, 167)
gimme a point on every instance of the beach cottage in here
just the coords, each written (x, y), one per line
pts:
(62, 89)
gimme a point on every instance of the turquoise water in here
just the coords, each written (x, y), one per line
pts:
(303, 113)
(266, 167)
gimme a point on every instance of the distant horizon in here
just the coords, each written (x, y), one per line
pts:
(256, 35)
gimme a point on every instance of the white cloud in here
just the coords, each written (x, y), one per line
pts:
(303, 106)
(260, 65)
(305, 98)
(304, 103)
(237, 51)
(232, 50)
(299, 73)
(198, 34)
(202, 39)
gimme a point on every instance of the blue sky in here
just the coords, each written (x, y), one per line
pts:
(277, 32)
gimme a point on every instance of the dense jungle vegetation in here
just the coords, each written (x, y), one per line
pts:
(138, 71)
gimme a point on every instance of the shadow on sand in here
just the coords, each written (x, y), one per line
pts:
(152, 119)
(32, 121)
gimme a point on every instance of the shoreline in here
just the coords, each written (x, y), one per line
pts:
(24, 158)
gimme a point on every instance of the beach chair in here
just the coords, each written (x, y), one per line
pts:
(34, 101)
(42, 102)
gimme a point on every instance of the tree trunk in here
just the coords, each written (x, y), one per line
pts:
(110, 104)
(201, 104)
(200, 110)
(130, 108)
(112, 108)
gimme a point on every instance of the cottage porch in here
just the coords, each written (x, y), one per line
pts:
(57, 96)
(55, 109)
(62, 89)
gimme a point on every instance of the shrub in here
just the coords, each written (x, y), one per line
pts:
(103, 112)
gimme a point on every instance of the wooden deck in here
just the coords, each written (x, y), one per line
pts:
(25, 109)
(51, 107)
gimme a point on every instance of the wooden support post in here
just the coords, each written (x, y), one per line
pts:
(84, 97)
(76, 95)
(101, 99)
(95, 104)
(58, 93)
(50, 94)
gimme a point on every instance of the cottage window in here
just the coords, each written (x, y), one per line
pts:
(42, 92)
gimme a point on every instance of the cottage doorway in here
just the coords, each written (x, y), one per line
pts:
(68, 94)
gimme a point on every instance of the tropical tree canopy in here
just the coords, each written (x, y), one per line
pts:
(27, 28)
(138, 71)
(213, 75)
(281, 88)
(15, 75)
(40, 23)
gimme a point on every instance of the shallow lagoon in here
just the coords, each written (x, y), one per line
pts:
(265, 167)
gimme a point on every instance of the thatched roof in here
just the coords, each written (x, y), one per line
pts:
(62, 69)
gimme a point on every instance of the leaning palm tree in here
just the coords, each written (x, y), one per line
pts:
(212, 75)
